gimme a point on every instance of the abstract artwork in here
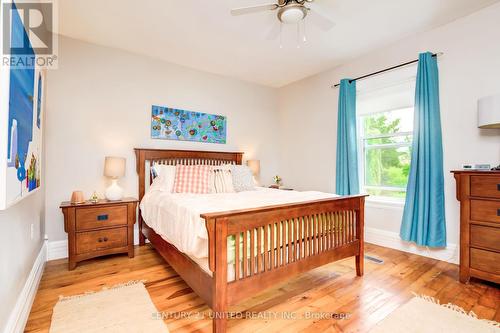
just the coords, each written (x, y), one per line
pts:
(21, 109)
(175, 124)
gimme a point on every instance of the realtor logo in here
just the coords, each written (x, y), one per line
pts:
(27, 31)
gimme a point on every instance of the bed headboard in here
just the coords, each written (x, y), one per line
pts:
(146, 157)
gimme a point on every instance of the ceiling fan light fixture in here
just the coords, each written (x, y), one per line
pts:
(292, 14)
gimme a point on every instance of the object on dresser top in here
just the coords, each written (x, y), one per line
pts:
(486, 167)
(277, 180)
(114, 168)
(77, 197)
(94, 198)
(97, 229)
(479, 196)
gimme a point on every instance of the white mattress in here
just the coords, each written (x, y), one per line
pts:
(176, 216)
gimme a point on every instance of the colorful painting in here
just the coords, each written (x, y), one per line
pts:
(175, 124)
(22, 107)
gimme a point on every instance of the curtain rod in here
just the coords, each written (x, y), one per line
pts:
(386, 70)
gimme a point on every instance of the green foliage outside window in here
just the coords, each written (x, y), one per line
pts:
(387, 154)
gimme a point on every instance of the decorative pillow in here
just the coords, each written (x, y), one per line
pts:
(242, 178)
(164, 176)
(192, 179)
(221, 179)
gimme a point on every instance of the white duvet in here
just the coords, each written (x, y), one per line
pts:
(176, 216)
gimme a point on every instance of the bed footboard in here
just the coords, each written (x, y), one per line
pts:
(274, 243)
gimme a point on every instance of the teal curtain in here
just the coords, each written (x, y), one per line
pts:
(424, 216)
(347, 181)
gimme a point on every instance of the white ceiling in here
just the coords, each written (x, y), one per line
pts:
(202, 34)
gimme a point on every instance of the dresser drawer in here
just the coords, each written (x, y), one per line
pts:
(485, 210)
(486, 261)
(485, 186)
(486, 237)
(91, 241)
(99, 217)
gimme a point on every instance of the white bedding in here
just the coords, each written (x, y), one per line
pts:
(176, 216)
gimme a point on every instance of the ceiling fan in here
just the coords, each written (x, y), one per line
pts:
(289, 12)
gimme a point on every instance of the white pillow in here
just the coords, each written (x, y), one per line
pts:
(242, 178)
(165, 176)
(221, 180)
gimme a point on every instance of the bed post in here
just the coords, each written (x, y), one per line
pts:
(360, 227)
(219, 289)
(140, 168)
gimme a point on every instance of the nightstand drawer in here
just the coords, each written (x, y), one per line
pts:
(485, 237)
(485, 186)
(99, 217)
(91, 241)
(485, 210)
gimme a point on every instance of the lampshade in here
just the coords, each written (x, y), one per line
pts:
(489, 112)
(254, 165)
(114, 167)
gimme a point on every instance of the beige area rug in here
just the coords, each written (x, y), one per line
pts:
(122, 308)
(424, 314)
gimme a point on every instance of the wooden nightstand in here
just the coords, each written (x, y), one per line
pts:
(103, 228)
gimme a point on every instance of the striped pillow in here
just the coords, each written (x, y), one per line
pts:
(222, 180)
(191, 179)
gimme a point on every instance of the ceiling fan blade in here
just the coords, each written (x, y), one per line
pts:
(321, 21)
(253, 9)
(274, 32)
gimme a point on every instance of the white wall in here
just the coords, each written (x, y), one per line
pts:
(469, 69)
(17, 250)
(99, 103)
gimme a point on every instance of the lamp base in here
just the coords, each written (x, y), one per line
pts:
(114, 192)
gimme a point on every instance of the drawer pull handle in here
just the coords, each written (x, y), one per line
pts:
(103, 217)
(498, 212)
(498, 187)
(100, 240)
(105, 239)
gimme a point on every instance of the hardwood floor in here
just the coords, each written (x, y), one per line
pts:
(329, 289)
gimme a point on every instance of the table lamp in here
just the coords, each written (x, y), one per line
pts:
(488, 115)
(254, 166)
(114, 168)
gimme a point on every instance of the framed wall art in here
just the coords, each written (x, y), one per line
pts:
(21, 112)
(175, 124)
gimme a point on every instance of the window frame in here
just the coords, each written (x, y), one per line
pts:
(362, 154)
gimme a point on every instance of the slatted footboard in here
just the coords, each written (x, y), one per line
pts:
(251, 250)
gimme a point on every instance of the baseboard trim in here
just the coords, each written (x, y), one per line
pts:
(20, 312)
(393, 241)
(59, 249)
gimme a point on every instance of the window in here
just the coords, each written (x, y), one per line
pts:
(385, 130)
(386, 148)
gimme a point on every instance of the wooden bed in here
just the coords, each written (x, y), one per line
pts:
(294, 238)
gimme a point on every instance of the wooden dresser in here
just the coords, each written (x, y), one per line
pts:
(103, 228)
(479, 196)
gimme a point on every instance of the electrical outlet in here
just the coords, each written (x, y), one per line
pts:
(32, 231)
